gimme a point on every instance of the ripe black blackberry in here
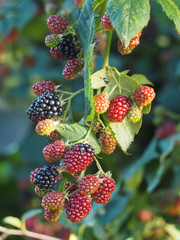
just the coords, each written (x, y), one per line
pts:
(46, 177)
(47, 106)
(69, 47)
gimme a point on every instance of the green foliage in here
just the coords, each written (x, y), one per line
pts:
(128, 17)
(172, 9)
(74, 132)
(13, 221)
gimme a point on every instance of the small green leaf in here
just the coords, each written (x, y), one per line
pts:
(172, 10)
(128, 17)
(74, 132)
(140, 78)
(62, 185)
(69, 177)
(13, 221)
(99, 7)
(124, 132)
(31, 213)
(147, 109)
(99, 79)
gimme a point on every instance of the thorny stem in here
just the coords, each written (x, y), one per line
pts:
(107, 51)
(98, 165)
(7, 232)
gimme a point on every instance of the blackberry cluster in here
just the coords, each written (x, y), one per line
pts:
(46, 177)
(69, 47)
(47, 106)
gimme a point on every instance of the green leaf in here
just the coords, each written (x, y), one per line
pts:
(13, 221)
(99, 7)
(85, 27)
(128, 17)
(62, 185)
(172, 10)
(140, 78)
(74, 132)
(31, 213)
(88, 90)
(119, 83)
(99, 79)
(134, 182)
(147, 109)
(124, 132)
(69, 177)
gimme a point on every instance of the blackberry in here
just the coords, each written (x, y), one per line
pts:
(56, 53)
(78, 157)
(69, 47)
(47, 106)
(46, 177)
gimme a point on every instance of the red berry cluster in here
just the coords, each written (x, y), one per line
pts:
(42, 87)
(133, 43)
(106, 23)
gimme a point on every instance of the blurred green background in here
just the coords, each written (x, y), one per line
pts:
(143, 179)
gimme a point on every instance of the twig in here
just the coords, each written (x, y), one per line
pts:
(6, 232)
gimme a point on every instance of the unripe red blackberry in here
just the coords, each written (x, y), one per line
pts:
(78, 207)
(54, 151)
(78, 157)
(47, 106)
(133, 43)
(42, 87)
(143, 95)
(118, 108)
(69, 46)
(52, 40)
(56, 53)
(55, 135)
(72, 68)
(107, 142)
(101, 103)
(79, 3)
(32, 174)
(134, 114)
(106, 23)
(57, 24)
(103, 194)
(53, 200)
(46, 177)
(145, 215)
(165, 131)
(88, 184)
(41, 192)
(52, 215)
(45, 127)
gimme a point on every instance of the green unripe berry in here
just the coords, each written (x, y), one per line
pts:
(134, 114)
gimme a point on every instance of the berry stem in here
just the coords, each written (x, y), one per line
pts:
(99, 120)
(107, 51)
(73, 95)
(98, 165)
(67, 108)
